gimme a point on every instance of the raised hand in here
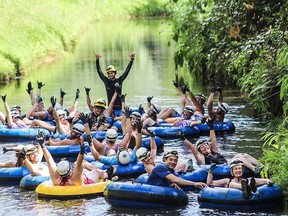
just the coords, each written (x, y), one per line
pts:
(213, 89)
(186, 88)
(69, 120)
(210, 123)
(149, 98)
(122, 97)
(40, 84)
(219, 89)
(77, 94)
(175, 84)
(151, 133)
(29, 87)
(53, 101)
(139, 126)
(39, 99)
(41, 138)
(181, 135)
(132, 56)
(183, 89)
(83, 118)
(127, 111)
(62, 93)
(87, 90)
(140, 109)
(4, 98)
(89, 139)
(82, 148)
(97, 56)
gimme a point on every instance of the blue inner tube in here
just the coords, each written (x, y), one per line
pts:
(144, 196)
(233, 199)
(12, 175)
(30, 182)
(129, 170)
(171, 132)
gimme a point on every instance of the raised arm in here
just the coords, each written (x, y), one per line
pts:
(7, 110)
(62, 94)
(88, 100)
(128, 68)
(210, 102)
(196, 104)
(109, 110)
(98, 68)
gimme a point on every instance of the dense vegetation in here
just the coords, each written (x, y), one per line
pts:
(245, 44)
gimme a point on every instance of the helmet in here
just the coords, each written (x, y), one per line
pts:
(111, 68)
(156, 108)
(16, 108)
(29, 149)
(142, 153)
(58, 106)
(61, 112)
(135, 114)
(200, 142)
(100, 102)
(64, 168)
(170, 153)
(235, 162)
(111, 135)
(15, 114)
(190, 109)
(202, 96)
(225, 107)
(78, 128)
(123, 157)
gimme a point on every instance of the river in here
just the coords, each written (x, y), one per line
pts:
(151, 75)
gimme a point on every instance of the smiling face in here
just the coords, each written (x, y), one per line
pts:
(237, 171)
(111, 75)
(171, 161)
(33, 157)
(205, 149)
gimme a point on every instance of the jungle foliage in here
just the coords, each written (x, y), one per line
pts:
(245, 44)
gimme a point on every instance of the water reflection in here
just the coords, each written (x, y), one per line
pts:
(151, 75)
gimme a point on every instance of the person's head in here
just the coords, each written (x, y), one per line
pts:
(111, 135)
(31, 152)
(64, 168)
(77, 130)
(236, 168)
(143, 154)
(222, 109)
(15, 116)
(188, 112)
(62, 114)
(123, 157)
(111, 72)
(16, 108)
(135, 117)
(203, 146)
(99, 106)
(200, 98)
(170, 158)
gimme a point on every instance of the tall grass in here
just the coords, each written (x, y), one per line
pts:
(33, 32)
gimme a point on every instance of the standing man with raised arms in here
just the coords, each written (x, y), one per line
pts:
(111, 82)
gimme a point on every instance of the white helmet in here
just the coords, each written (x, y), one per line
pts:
(111, 135)
(190, 109)
(30, 148)
(225, 107)
(78, 128)
(142, 153)
(64, 168)
(156, 108)
(61, 112)
(123, 157)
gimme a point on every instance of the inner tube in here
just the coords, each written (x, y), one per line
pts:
(47, 190)
(30, 182)
(13, 175)
(233, 199)
(130, 195)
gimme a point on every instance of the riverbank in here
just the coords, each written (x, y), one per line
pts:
(39, 32)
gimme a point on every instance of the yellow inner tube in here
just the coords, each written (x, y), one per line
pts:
(171, 120)
(48, 190)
